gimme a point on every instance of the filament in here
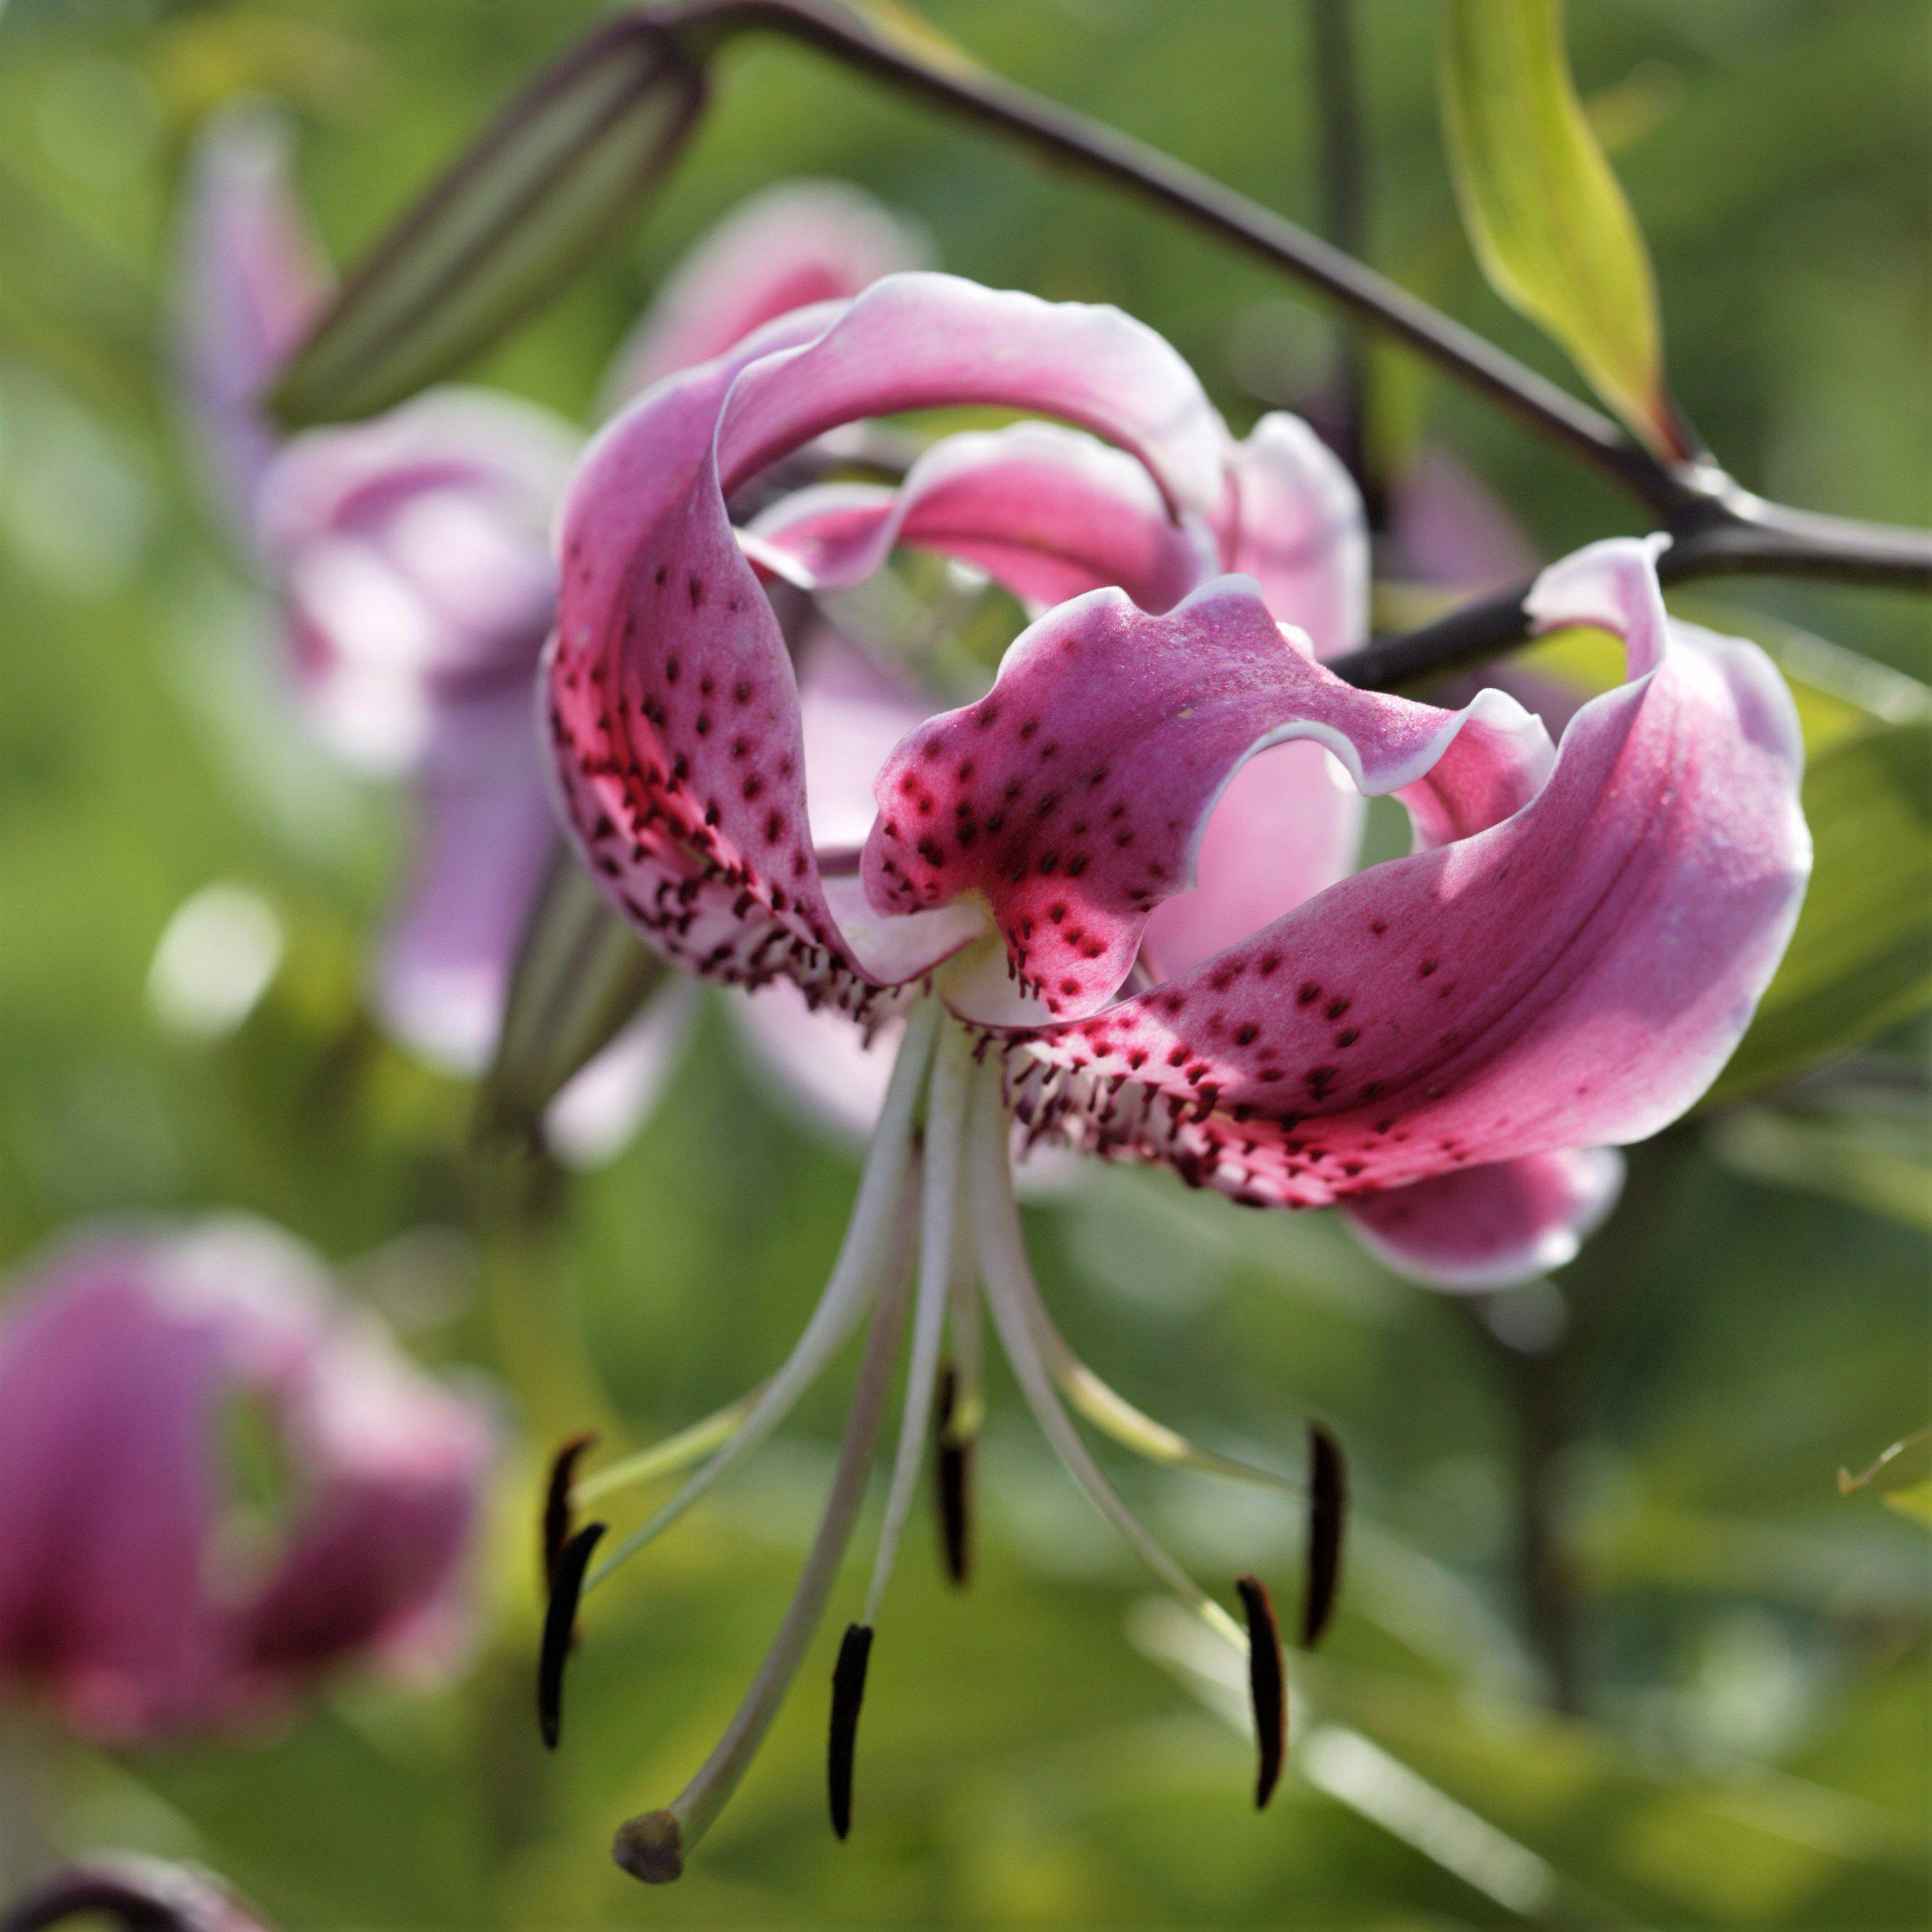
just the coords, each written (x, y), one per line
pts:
(875, 1215)
(1115, 1416)
(1009, 1283)
(945, 1138)
(653, 1846)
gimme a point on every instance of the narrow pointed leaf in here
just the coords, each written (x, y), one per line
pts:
(498, 235)
(580, 977)
(1556, 237)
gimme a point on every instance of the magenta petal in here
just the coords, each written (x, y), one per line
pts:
(675, 712)
(853, 710)
(1573, 976)
(806, 242)
(1293, 521)
(1492, 1226)
(1071, 798)
(251, 279)
(931, 341)
(1046, 511)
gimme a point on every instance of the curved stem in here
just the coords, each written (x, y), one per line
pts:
(1062, 135)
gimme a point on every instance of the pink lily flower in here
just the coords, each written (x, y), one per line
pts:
(409, 559)
(138, 1591)
(1438, 1045)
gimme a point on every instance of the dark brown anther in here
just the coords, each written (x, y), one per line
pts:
(848, 1694)
(1267, 1688)
(1327, 1508)
(556, 1516)
(560, 1625)
(650, 1847)
(952, 1471)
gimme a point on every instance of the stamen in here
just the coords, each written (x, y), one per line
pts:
(1267, 1686)
(1008, 1277)
(848, 1694)
(1115, 1416)
(653, 1846)
(1328, 1499)
(854, 1276)
(953, 1481)
(945, 1141)
(557, 1518)
(667, 1457)
(560, 1625)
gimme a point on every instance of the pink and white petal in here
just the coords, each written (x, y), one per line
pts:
(1574, 976)
(1292, 519)
(809, 241)
(1071, 799)
(1288, 826)
(928, 341)
(594, 1118)
(483, 837)
(1046, 511)
(675, 712)
(251, 278)
(1491, 1226)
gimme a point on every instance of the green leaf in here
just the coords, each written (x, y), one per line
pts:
(498, 234)
(1902, 1476)
(1555, 235)
(580, 976)
(1861, 960)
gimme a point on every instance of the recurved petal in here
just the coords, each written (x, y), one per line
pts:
(1292, 520)
(1495, 1225)
(928, 341)
(808, 241)
(675, 712)
(1071, 798)
(1047, 512)
(1575, 975)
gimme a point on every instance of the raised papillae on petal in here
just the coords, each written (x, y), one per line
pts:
(1576, 974)
(674, 711)
(1072, 797)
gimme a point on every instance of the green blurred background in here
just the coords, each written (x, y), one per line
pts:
(1751, 1647)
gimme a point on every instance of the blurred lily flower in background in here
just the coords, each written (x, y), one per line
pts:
(219, 1484)
(408, 558)
(139, 1894)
